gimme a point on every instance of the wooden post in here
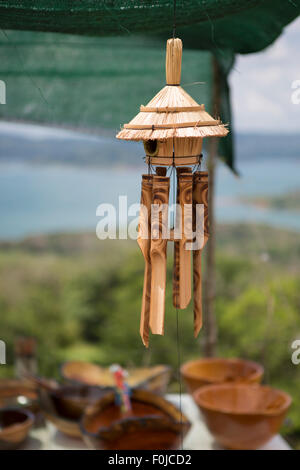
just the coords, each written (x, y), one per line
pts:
(209, 287)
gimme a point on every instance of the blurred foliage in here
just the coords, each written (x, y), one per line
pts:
(81, 299)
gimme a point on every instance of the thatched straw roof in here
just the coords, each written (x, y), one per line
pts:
(172, 112)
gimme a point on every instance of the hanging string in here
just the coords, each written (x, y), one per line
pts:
(193, 83)
(174, 173)
(174, 188)
(174, 19)
(179, 375)
(198, 168)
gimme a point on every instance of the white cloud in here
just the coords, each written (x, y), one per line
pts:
(261, 86)
(256, 102)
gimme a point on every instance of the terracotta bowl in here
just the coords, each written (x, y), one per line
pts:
(154, 379)
(17, 393)
(242, 416)
(15, 425)
(154, 423)
(64, 405)
(218, 370)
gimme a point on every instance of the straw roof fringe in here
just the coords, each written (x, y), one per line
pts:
(172, 112)
(201, 132)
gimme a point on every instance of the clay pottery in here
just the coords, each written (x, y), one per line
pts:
(15, 425)
(219, 370)
(154, 379)
(18, 393)
(242, 416)
(153, 423)
(64, 405)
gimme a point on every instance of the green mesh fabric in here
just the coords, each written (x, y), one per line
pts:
(93, 82)
(241, 25)
(89, 82)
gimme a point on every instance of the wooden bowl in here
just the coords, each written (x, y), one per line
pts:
(64, 406)
(242, 416)
(15, 425)
(154, 379)
(154, 423)
(218, 370)
(18, 393)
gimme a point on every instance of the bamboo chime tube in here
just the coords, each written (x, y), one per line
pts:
(182, 257)
(200, 196)
(144, 242)
(197, 280)
(158, 251)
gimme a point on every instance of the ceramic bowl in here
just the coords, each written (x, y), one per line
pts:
(154, 423)
(64, 405)
(17, 393)
(15, 425)
(218, 370)
(154, 379)
(242, 416)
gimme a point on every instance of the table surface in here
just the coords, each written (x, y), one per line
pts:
(199, 438)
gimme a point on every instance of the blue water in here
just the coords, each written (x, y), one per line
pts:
(258, 178)
(43, 199)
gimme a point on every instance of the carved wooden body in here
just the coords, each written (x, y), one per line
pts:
(158, 252)
(190, 234)
(200, 196)
(144, 242)
(175, 151)
(182, 257)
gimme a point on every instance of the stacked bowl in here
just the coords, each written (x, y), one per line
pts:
(239, 412)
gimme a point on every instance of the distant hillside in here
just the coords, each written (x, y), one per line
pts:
(81, 149)
(289, 201)
(282, 246)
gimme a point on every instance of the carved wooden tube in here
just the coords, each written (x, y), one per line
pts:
(176, 300)
(200, 196)
(158, 252)
(182, 257)
(144, 242)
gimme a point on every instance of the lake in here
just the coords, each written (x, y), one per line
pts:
(42, 199)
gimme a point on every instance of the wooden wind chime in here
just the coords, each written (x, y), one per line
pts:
(172, 127)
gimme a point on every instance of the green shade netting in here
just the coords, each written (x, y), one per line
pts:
(92, 82)
(241, 25)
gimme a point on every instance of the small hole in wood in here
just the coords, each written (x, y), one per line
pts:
(151, 147)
